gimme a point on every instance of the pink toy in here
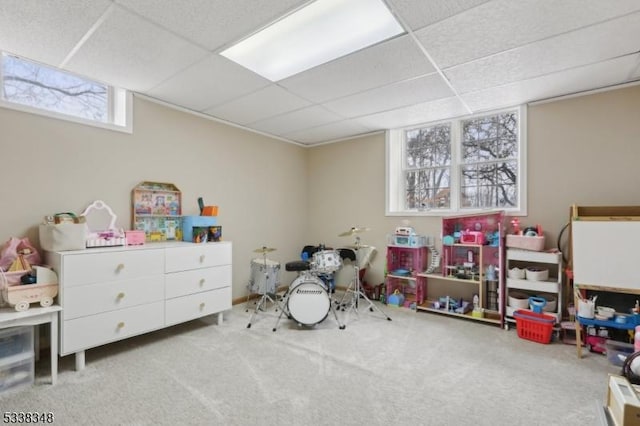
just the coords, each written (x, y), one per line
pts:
(134, 238)
(515, 223)
(472, 237)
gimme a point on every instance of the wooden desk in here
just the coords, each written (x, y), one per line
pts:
(36, 315)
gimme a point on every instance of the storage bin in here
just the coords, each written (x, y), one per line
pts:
(525, 243)
(16, 358)
(15, 341)
(617, 352)
(533, 326)
(536, 274)
(518, 300)
(16, 375)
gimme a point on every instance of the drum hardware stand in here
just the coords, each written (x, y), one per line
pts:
(262, 303)
(356, 293)
(354, 286)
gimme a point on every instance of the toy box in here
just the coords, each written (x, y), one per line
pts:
(134, 238)
(617, 352)
(195, 228)
(623, 403)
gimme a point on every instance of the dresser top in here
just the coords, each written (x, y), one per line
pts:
(147, 246)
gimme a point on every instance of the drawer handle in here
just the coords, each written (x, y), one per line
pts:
(120, 296)
(120, 267)
(202, 306)
(201, 258)
(120, 325)
(202, 282)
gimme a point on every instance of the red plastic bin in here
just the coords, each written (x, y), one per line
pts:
(533, 326)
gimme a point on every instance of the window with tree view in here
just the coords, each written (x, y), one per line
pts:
(465, 164)
(39, 87)
(428, 167)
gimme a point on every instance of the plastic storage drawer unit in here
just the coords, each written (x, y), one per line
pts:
(16, 358)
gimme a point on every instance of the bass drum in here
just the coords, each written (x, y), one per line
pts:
(308, 303)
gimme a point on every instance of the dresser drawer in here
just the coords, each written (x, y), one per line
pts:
(92, 299)
(88, 332)
(197, 256)
(197, 280)
(88, 268)
(197, 305)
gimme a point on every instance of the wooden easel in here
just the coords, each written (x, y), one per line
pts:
(603, 247)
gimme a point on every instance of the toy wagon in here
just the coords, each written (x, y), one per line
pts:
(21, 296)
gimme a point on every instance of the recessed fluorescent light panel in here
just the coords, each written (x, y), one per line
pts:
(318, 33)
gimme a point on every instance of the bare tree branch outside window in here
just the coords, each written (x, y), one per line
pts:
(490, 161)
(28, 83)
(487, 169)
(428, 167)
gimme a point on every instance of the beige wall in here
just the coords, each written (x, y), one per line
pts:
(259, 183)
(582, 150)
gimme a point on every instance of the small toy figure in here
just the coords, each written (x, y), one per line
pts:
(515, 223)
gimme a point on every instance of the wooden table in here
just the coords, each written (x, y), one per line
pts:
(609, 323)
(36, 316)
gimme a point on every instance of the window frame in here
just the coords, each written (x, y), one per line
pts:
(395, 152)
(119, 103)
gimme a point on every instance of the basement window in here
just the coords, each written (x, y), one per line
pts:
(465, 165)
(32, 87)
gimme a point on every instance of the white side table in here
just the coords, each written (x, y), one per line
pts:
(36, 316)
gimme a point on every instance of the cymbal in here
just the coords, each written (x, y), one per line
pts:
(353, 231)
(264, 250)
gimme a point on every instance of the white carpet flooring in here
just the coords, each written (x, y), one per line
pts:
(418, 369)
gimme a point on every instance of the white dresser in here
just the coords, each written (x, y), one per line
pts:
(109, 294)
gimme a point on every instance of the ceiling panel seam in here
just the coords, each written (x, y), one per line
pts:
(87, 35)
(550, 37)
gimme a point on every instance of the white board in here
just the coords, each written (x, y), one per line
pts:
(606, 253)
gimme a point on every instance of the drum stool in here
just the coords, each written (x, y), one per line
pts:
(297, 266)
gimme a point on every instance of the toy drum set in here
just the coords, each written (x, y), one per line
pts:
(307, 301)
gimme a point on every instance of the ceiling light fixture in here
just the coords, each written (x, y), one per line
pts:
(318, 33)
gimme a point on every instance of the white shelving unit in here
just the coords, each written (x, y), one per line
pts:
(553, 285)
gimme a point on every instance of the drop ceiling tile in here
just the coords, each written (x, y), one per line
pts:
(394, 60)
(212, 23)
(264, 103)
(296, 120)
(130, 52)
(575, 80)
(418, 14)
(415, 114)
(505, 24)
(208, 83)
(589, 45)
(328, 132)
(42, 30)
(417, 90)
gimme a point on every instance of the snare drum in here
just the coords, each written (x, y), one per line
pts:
(264, 276)
(326, 261)
(308, 302)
